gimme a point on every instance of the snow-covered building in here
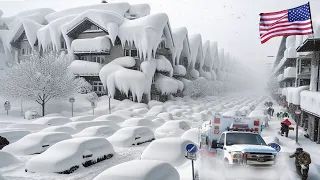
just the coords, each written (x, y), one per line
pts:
(119, 48)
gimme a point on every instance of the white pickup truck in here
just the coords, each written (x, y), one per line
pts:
(237, 144)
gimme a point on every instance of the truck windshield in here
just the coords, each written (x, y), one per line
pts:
(244, 138)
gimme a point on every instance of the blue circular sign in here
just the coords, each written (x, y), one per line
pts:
(191, 148)
(275, 146)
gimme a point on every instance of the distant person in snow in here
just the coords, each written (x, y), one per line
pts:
(302, 162)
(278, 115)
(285, 114)
(284, 129)
(3, 142)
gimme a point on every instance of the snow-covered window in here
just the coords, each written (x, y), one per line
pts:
(162, 45)
(97, 86)
(22, 51)
(85, 58)
(126, 52)
(134, 53)
(118, 41)
(155, 97)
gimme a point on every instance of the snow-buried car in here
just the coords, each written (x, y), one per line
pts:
(67, 156)
(129, 136)
(36, 143)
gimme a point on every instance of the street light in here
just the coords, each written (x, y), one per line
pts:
(72, 100)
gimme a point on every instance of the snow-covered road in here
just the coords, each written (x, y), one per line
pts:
(193, 112)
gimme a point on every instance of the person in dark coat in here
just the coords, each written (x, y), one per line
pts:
(3, 142)
(285, 114)
(284, 129)
(302, 162)
(278, 115)
(272, 111)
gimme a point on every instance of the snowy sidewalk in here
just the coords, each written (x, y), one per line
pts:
(288, 144)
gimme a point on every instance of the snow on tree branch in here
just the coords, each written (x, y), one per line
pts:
(39, 78)
(92, 97)
(84, 86)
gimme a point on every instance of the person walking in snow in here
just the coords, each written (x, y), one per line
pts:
(284, 129)
(3, 142)
(272, 111)
(302, 162)
(278, 115)
(285, 114)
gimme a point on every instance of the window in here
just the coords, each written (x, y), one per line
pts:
(22, 51)
(244, 138)
(221, 140)
(162, 45)
(97, 86)
(85, 58)
(63, 45)
(126, 52)
(118, 41)
(134, 53)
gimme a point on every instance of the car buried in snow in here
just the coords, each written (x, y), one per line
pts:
(67, 156)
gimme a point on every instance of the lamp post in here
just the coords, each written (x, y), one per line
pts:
(72, 100)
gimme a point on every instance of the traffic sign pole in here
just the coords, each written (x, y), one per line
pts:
(192, 170)
(191, 154)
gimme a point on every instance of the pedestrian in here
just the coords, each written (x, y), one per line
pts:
(285, 114)
(302, 162)
(278, 115)
(284, 129)
(272, 111)
(3, 142)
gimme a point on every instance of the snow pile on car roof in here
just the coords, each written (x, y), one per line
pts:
(170, 128)
(52, 121)
(96, 131)
(170, 150)
(64, 129)
(139, 122)
(13, 135)
(191, 135)
(140, 170)
(83, 118)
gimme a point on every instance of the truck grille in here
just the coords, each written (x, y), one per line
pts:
(259, 159)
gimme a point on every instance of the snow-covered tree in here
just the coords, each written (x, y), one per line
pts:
(273, 85)
(84, 86)
(39, 78)
(92, 97)
(202, 87)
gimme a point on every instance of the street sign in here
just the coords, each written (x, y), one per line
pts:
(275, 146)
(191, 148)
(192, 156)
(297, 111)
(72, 100)
(7, 106)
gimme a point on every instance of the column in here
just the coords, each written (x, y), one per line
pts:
(318, 139)
(311, 127)
(314, 72)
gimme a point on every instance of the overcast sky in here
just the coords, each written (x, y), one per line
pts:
(234, 24)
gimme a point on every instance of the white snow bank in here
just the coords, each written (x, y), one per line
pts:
(153, 103)
(119, 8)
(181, 42)
(69, 153)
(293, 94)
(166, 85)
(124, 113)
(129, 136)
(159, 121)
(143, 170)
(155, 110)
(27, 126)
(64, 129)
(310, 101)
(84, 118)
(111, 117)
(146, 33)
(179, 70)
(52, 121)
(80, 67)
(96, 131)
(172, 126)
(290, 72)
(54, 115)
(7, 159)
(13, 135)
(165, 116)
(170, 150)
(192, 135)
(97, 44)
(139, 10)
(140, 110)
(79, 126)
(139, 122)
(35, 143)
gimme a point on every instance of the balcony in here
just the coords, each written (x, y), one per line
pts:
(290, 72)
(280, 77)
(85, 68)
(293, 94)
(97, 45)
(310, 102)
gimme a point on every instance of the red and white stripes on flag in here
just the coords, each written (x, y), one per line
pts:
(296, 21)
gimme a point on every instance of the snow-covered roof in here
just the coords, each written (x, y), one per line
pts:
(293, 94)
(51, 33)
(166, 85)
(196, 49)
(80, 67)
(119, 8)
(97, 44)
(146, 33)
(36, 15)
(139, 10)
(181, 41)
(290, 72)
(179, 70)
(30, 28)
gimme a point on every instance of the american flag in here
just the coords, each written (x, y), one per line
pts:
(295, 21)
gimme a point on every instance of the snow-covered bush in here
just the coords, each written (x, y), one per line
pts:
(84, 86)
(92, 97)
(202, 87)
(38, 78)
(31, 114)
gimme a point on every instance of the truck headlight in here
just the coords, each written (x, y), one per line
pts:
(236, 155)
